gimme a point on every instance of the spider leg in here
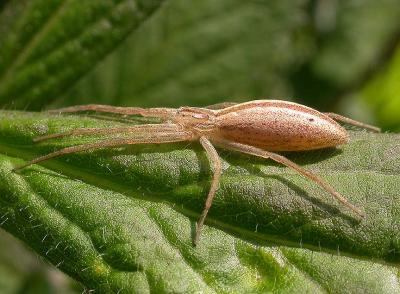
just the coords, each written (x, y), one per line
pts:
(283, 160)
(137, 129)
(150, 112)
(221, 105)
(154, 137)
(216, 164)
(353, 122)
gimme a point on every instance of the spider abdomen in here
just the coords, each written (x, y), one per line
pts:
(279, 126)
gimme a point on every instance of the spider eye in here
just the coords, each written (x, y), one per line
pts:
(193, 114)
(199, 116)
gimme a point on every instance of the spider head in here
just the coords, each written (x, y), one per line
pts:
(192, 116)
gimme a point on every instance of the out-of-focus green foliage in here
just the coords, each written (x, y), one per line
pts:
(22, 272)
(351, 38)
(383, 94)
(201, 52)
(326, 54)
(47, 45)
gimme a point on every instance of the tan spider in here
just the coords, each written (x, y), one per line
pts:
(258, 127)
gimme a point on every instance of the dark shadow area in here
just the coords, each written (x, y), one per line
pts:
(323, 206)
(193, 225)
(301, 158)
(3, 4)
(312, 156)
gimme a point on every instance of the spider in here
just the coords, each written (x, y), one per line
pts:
(260, 128)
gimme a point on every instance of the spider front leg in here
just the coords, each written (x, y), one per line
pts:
(155, 137)
(148, 112)
(283, 160)
(137, 129)
(220, 105)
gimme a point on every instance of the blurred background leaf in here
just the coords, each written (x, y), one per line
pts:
(334, 55)
(199, 52)
(316, 52)
(383, 94)
(47, 45)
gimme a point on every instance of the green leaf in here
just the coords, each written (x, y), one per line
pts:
(123, 219)
(47, 45)
(146, 198)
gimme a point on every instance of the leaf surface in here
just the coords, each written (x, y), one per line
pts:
(123, 219)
